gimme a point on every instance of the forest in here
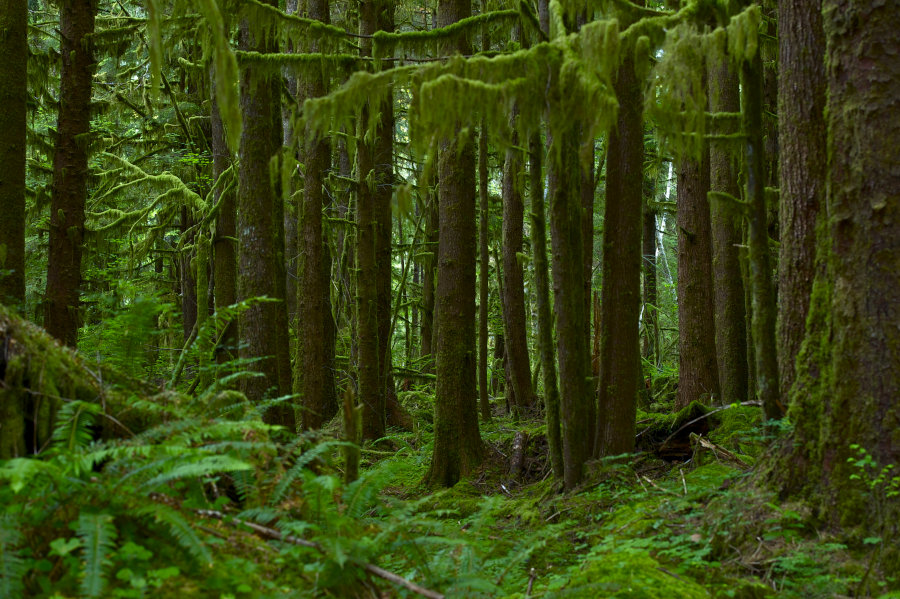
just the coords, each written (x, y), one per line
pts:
(414, 298)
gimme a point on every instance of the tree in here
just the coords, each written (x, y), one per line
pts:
(698, 377)
(315, 372)
(457, 443)
(70, 170)
(483, 270)
(259, 240)
(726, 221)
(848, 369)
(620, 301)
(801, 110)
(13, 97)
(513, 284)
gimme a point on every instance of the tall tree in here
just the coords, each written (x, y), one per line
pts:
(457, 443)
(483, 274)
(848, 370)
(801, 110)
(13, 97)
(620, 302)
(761, 292)
(375, 165)
(513, 279)
(726, 221)
(70, 170)
(315, 373)
(698, 377)
(648, 252)
(259, 240)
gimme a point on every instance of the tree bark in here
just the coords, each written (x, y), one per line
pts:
(258, 241)
(429, 263)
(620, 302)
(542, 301)
(513, 279)
(698, 377)
(648, 250)
(763, 300)
(70, 170)
(726, 222)
(13, 98)
(457, 443)
(801, 113)
(483, 274)
(314, 379)
(848, 370)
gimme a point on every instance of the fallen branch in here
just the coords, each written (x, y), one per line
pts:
(276, 535)
(720, 451)
(707, 415)
(517, 462)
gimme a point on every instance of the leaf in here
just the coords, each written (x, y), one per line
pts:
(98, 534)
(871, 540)
(64, 547)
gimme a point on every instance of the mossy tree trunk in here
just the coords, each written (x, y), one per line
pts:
(620, 301)
(761, 292)
(848, 370)
(650, 350)
(374, 250)
(13, 98)
(315, 372)
(258, 239)
(483, 274)
(801, 114)
(513, 287)
(429, 263)
(458, 448)
(70, 170)
(726, 222)
(698, 377)
(542, 304)
(224, 246)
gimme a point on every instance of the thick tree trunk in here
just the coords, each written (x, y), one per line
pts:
(315, 373)
(483, 270)
(848, 370)
(429, 263)
(698, 376)
(763, 300)
(70, 170)
(13, 97)
(803, 170)
(620, 302)
(726, 221)
(513, 280)
(258, 241)
(576, 401)
(457, 443)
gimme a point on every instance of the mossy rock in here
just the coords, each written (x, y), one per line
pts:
(632, 574)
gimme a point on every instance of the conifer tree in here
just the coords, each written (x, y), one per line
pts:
(13, 96)
(70, 170)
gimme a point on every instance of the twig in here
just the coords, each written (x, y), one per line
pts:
(276, 535)
(683, 481)
(656, 486)
(531, 576)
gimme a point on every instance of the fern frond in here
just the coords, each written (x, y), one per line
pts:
(98, 534)
(205, 466)
(361, 495)
(21, 471)
(299, 466)
(179, 528)
(73, 422)
(12, 566)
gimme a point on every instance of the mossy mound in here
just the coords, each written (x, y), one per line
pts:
(39, 374)
(668, 435)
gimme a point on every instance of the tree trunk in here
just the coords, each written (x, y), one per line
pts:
(483, 274)
(803, 170)
(70, 170)
(651, 321)
(513, 279)
(457, 443)
(13, 98)
(258, 241)
(315, 373)
(429, 263)
(763, 300)
(726, 222)
(620, 301)
(224, 250)
(542, 293)
(187, 278)
(848, 370)
(698, 377)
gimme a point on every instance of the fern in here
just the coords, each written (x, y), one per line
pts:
(206, 466)
(12, 566)
(362, 494)
(98, 534)
(299, 466)
(179, 529)
(72, 431)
